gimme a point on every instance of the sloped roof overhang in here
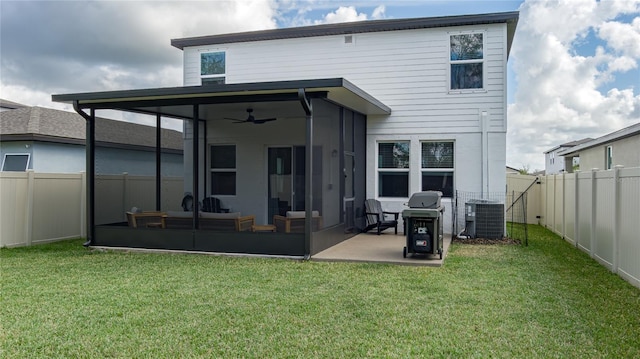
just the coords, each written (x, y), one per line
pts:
(178, 102)
(509, 18)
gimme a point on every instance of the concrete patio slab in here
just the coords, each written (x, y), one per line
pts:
(384, 248)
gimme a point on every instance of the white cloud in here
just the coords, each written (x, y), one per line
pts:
(378, 13)
(343, 14)
(624, 38)
(558, 98)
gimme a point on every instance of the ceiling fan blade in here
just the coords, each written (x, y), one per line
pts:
(263, 120)
(235, 120)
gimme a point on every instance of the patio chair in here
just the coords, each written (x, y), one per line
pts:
(376, 217)
(213, 205)
(144, 219)
(294, 222)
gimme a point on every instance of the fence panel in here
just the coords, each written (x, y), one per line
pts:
(13, 208)
(517, 183)
(549, 215)
(56, 206)
(569, 215)
(109, 199)
(43, 207)
(628, 249)
(599, 212)
(558, 204)
(604, 210)
(585, 203)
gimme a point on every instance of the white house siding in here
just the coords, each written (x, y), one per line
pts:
(406, 70)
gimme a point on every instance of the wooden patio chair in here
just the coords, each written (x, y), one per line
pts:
(377, 218)
(145, 219)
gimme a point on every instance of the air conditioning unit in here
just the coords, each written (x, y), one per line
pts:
(484, 219)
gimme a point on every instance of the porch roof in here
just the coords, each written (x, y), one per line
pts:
(177, 101)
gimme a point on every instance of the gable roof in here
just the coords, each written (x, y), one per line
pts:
(510, 18)
(632, 130)
(50, 125)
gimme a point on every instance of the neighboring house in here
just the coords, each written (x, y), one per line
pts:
(621, 147)
(53, 141)
(554, 163)
(319, 118)
(511, 170)
(6, 105)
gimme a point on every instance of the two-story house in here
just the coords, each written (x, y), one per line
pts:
(554, 163)
(618, 148)
(316, 119)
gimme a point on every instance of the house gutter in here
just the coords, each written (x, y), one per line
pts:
(90, 170)
(308, 191)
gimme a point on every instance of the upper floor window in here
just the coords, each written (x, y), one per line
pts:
(466, 61)
(213, 68)
(393, 169)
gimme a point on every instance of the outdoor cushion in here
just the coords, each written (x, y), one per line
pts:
(219, 215)
(301, 214)
(180, 214)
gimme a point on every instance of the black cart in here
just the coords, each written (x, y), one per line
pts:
(423, 224)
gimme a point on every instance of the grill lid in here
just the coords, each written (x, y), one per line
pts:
(425, 199)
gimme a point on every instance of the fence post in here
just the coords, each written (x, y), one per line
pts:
(29, 208)
(576, 213)
(564, 200)
(594, 193)
(616, 217)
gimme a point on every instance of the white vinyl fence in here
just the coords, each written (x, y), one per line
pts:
(599, 213)
(45, 207)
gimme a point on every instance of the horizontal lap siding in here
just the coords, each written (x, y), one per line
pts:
(406, 70)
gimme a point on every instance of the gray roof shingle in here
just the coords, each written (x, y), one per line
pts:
(63, 126)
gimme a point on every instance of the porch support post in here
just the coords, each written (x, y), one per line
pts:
(196, 162)
(90, 153)
(308, 173)
(158, 162)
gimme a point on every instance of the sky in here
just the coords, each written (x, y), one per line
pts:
(573, 70)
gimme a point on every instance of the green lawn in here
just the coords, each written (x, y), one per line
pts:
(544, 300)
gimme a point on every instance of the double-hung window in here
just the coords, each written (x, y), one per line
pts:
(393, 169)
(223, 170)
(466, 59)
(213, 68)
(437, 167)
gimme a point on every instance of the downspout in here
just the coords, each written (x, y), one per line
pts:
(308, 172)
(484, 153)
(90, 152)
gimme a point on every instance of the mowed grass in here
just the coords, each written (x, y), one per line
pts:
(542, 301)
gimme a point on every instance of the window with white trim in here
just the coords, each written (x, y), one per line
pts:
(438, 167)
(15, 162)
(213, 68)
(223, 170)
(393, 169)
(466, 61)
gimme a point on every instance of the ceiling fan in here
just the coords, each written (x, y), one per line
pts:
(251, 119)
